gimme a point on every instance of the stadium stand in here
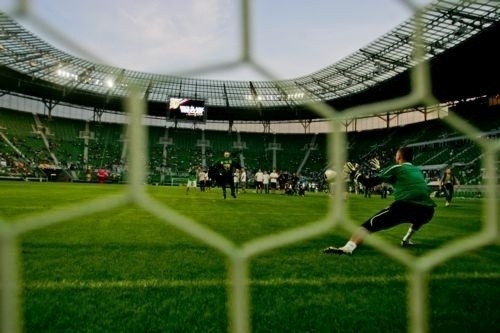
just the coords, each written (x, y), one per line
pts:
(436, 146)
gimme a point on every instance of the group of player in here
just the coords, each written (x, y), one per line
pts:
(412, 201)
(229, 174)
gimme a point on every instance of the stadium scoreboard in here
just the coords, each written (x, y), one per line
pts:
(186, 109)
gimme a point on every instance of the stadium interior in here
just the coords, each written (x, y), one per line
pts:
(39, 144)
(63, 118)
(40, 139)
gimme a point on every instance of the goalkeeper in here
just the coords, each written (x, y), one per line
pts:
(412, 201)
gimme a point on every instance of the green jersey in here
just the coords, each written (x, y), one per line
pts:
(192, 174)
(408, 183)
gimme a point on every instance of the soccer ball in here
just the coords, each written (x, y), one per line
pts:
(330, 175)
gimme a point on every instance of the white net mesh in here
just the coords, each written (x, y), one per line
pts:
(418, 268)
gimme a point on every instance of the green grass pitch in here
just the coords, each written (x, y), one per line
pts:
(125, 271)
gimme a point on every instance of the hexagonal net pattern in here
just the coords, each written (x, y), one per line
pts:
(418, 268)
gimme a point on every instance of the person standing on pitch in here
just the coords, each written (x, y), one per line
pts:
(202, 179)
(448, 182)
(226, 168)
(259, 181)
(243, 180)
(273, 179)
(412, 201)
(192, 174)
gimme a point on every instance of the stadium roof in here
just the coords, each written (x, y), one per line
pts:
(459, 38)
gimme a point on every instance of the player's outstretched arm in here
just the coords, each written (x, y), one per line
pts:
(352, 169)
(369, 182)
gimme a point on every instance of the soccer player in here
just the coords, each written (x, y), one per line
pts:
(412, 201)
(259, 181)
(243, 180)
(192, 174)
(202, 178)
(273, 179)
(265, 182)
(226, 167)
(102, 175)
(236, 180)
(448, 182)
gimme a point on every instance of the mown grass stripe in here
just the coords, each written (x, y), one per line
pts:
(154, 283)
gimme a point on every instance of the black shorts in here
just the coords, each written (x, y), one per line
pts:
(397, 213)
